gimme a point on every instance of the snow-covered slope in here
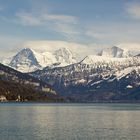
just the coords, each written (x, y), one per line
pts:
(88, 69)
(95, 74)
(120, 74)
(92, 59)
(61, 57)
(45, 59)
(115, 52)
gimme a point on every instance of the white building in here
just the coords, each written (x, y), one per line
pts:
(3, 98)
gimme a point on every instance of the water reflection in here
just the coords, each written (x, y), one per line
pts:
(69, 122)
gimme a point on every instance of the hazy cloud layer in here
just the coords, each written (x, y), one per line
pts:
(81, 49)
(63, 24)
(84, 27)
(133, 9)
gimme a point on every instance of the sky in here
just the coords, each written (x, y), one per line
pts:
(86, 24)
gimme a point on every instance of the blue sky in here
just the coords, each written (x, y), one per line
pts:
(105, 22)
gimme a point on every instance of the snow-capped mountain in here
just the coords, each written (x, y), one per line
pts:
(86, 69)
(25, 61)
(64, 56)
(115, 52)
(99, 80)
(109, 74)
(45, 58)
(28, 60)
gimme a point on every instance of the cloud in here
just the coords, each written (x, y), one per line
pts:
(51, 45)
(79, 48)
(134, 47)
(69, 31)
(95, 34)
(41, 18)
(63, 24)
(133, 9)
(27, 19)
(9, 45)
(60, 18)
(104, 34)
(113, 33)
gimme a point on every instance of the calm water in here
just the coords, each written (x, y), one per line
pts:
(69, 121)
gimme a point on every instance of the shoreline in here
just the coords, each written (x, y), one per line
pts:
(93, 102)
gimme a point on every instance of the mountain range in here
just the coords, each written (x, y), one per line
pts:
(112, 74)
(98, 80)
(28, 60)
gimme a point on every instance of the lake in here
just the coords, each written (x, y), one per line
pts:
(40, 121)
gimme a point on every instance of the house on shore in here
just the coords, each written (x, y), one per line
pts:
(3, 98)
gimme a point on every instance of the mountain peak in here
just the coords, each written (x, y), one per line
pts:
(65, 56)
(115, 52)
(25, 50)
(23, 59)
(115, 47)
(63, 51)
